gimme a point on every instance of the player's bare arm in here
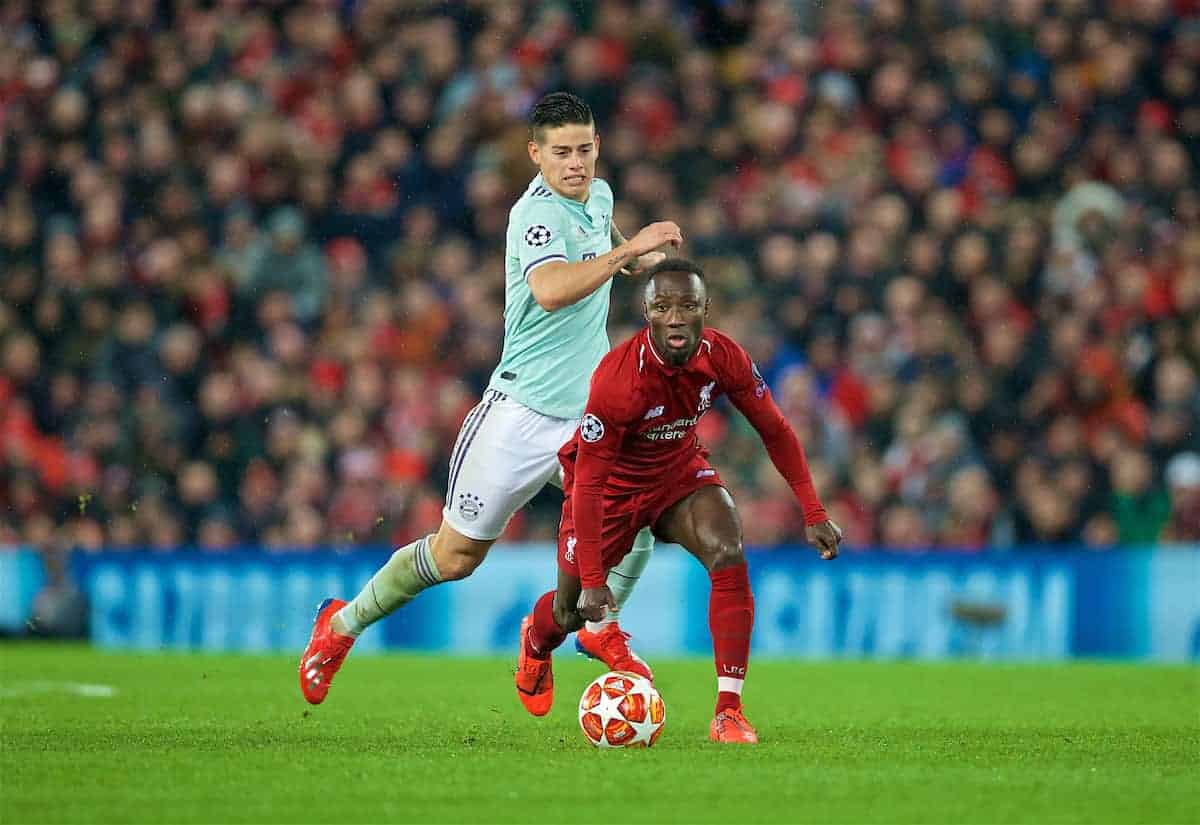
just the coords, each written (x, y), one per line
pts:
(560, 284)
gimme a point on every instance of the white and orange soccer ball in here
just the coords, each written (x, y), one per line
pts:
(621, 710)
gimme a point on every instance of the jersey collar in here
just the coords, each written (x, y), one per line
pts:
(540, 180)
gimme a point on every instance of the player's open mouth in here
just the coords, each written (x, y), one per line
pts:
(677, 341)
(574, 179)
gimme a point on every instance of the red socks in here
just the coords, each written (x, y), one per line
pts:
(730, 620)
(545, 635)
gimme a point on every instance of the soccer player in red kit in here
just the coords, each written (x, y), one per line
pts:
(635, 461)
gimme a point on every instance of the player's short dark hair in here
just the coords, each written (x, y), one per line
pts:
(674, 265)
(557, 109)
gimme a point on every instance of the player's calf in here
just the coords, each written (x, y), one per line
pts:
(730, 620)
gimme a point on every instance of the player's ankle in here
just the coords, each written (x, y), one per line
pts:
(596, 627)
(728, 700)
(339, 626)
(535, 651)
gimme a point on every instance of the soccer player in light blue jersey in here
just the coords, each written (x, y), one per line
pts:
(561, 253)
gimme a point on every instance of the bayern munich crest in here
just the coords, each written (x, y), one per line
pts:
(538, 235)
(591, 429)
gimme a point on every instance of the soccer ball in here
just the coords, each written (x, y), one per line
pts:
(621, 710)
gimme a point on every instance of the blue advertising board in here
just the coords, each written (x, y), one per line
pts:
(1014, 605)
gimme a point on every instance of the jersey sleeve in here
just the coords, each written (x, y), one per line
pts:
(540, 234)
(750, 394)
(602, 432)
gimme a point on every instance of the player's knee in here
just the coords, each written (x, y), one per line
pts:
(455, 555)
(724, 554)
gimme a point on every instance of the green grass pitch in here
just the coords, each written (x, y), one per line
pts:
(196, 738)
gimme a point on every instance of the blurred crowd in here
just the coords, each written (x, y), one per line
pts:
(251, 255)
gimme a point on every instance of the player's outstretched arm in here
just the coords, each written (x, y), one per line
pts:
(754, 400)
(559, 284)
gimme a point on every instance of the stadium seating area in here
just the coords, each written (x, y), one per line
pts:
(251, 255)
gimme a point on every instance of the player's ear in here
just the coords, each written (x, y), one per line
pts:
(707, 304)
(534, 154)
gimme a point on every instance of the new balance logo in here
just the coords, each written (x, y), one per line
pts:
(654, 412)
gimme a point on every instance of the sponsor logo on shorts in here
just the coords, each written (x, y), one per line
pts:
(570, 554)
(469, 506)
(654, 412)
(538, 235)
(591, 429)
(706, 473)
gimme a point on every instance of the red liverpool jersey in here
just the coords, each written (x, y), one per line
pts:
(639, 430)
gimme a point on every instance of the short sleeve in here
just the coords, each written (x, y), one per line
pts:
(540, 235)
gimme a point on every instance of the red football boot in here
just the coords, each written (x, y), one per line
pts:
(731, 726)
(324, 655)
(611, 646)
(534, 677)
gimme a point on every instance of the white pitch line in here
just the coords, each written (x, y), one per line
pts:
(73, 688)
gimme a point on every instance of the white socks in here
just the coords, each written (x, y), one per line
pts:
(623, 577)
(410, 570)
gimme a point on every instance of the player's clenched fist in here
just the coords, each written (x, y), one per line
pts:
(826, 537)
(656, 235)
(594, 602)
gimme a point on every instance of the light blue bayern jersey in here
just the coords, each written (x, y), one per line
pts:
(549, 357)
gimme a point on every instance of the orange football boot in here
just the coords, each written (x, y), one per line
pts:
(534, 677)
(324, 655)
(611, 646)
(731, 726)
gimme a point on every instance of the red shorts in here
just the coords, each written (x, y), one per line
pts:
(625, 515)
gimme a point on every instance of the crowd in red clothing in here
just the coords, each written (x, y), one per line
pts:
(251, 256)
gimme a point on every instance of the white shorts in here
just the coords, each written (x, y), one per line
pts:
(505, 454)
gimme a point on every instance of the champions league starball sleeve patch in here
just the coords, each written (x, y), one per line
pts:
(538, 235)
(591, 429)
